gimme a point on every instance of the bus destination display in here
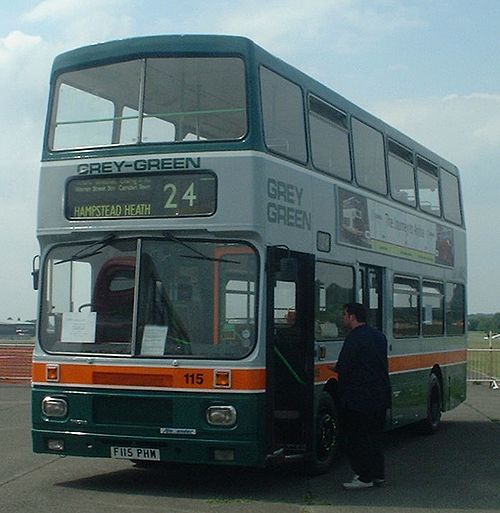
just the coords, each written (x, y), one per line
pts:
(133, 196)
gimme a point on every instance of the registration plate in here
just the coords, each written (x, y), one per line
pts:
(135, 453)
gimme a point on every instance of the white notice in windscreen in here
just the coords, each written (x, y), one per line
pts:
(79, 327)
(154, 339)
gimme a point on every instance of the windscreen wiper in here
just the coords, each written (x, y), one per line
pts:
(92, 249)
(198, 254)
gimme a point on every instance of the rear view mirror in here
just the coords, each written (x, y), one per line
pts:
(35, 271)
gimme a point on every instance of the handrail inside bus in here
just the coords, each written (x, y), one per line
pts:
(158, 114)
(287, 364)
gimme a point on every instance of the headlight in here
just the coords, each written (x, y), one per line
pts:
(221, 416)
(54, 407)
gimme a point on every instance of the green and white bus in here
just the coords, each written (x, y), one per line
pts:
(205, 210)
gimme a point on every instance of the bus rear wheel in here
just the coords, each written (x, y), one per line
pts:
(326, 434)
(434, 406)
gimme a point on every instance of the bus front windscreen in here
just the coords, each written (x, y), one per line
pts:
(154, 100)
(150, 298)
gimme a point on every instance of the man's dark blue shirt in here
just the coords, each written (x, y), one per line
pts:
(363, 370)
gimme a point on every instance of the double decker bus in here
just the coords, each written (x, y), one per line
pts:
(205, 210)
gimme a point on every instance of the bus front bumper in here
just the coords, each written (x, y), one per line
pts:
(178, 450)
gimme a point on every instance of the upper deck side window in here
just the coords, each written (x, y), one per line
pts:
(428, 187)
(401, 173)
(329, 137)
(283, 116)
(171, 99)
(450, 188)
(369, 160)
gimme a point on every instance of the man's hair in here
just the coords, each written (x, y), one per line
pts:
(358, 310)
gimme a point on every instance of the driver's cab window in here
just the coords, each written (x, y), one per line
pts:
(64, 300)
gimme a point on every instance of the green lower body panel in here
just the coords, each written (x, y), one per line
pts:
(410, 392)
(136, 425)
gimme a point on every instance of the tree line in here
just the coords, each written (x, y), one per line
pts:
(484, 322)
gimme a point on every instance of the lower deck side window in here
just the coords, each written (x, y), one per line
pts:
(427, 308)
(455, 309)
(334, 288)
(432, 309)
(406, 298)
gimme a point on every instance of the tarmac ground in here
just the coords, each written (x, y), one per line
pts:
(455, 470)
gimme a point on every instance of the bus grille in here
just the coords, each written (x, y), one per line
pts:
(139, 411)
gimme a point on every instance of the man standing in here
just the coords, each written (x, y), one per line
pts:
(365, 395)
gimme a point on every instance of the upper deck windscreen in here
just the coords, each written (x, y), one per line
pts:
(149, 101)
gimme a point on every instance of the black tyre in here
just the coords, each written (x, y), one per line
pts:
(326, 434)
(434, 406)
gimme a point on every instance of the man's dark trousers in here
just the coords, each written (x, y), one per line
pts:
(364, 442)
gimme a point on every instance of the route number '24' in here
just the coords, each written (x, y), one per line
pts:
(173, 195)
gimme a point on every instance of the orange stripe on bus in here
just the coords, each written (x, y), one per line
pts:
(203, 379)
(185, 378)
(403, 363)
(426, 360)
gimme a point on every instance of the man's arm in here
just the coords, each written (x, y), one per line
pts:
(346, 358)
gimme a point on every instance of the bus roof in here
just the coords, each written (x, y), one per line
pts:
(151, 46)
(186, 45)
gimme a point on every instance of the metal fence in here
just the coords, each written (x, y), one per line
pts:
(15, 363)
(483, 365)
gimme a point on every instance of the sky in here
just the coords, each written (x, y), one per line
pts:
(430, 68)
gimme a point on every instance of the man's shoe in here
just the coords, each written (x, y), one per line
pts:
(376, 482)
(357, 484)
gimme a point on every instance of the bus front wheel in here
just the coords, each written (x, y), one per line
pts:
(326, 434)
